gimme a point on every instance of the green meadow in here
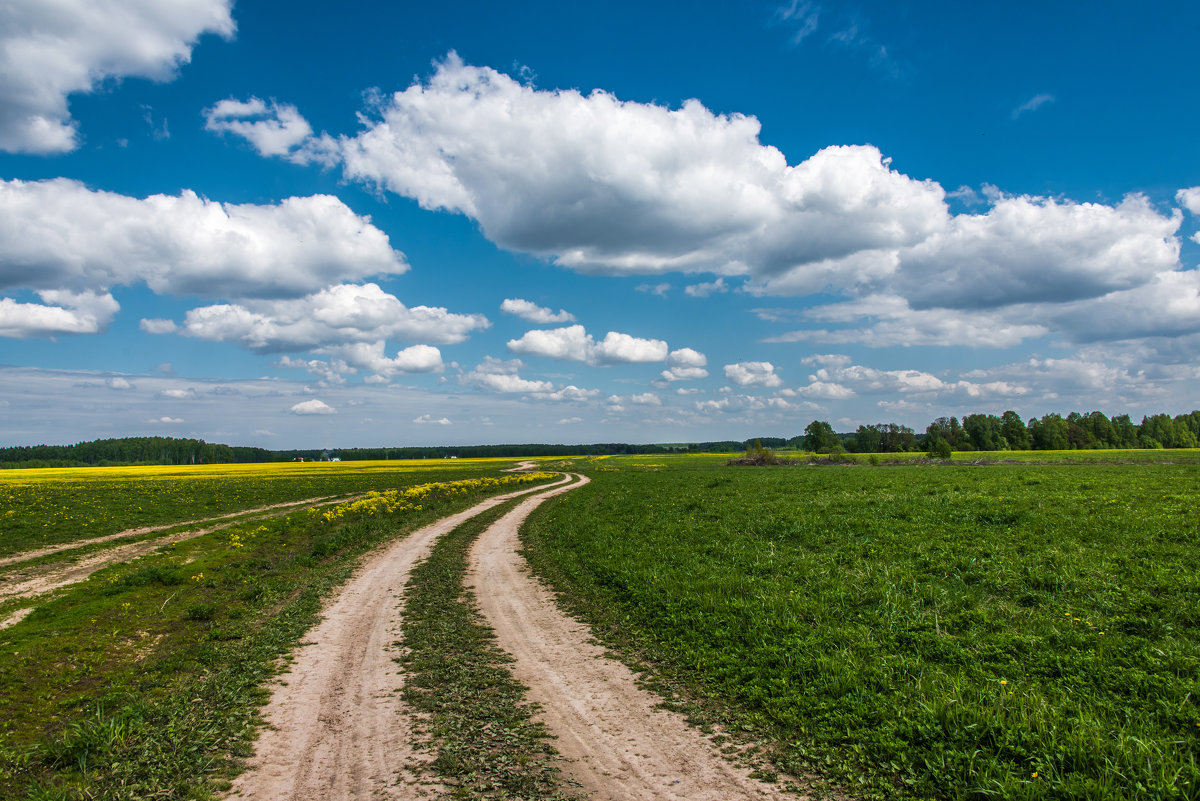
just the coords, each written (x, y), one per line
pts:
(950, 631)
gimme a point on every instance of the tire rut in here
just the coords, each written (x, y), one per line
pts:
(617, 743)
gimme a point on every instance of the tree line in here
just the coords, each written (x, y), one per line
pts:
(988, 432)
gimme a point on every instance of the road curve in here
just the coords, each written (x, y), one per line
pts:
(618, 745)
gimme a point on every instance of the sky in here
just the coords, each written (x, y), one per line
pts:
(304, 224)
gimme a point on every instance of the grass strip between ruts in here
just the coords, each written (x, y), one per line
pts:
(473, 713)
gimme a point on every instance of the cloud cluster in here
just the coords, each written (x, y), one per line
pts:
(753, 374)
(338, 316)
(497, 375)
(602, 185)
(60, 234)
(50, 50)
(574, 343)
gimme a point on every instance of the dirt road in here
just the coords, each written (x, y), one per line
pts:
(618, 745)
(337, 729)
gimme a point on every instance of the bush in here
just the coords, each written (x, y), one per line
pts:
(940, 449)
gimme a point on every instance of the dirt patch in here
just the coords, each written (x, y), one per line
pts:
(617, 743)
(337, 728)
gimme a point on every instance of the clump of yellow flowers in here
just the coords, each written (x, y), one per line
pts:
(400, 500)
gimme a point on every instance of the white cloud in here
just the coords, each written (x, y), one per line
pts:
(313, 406)
(1032, 104)
(1189, 198)
(803, 15)
(345, 314)
(273, 129)
(426, 419)
(569, 393)
(1028, 249)
(880, 321)
(166, 420)
(604, 185)
(50, 50)
(177, 394)
(827, 390)
(646, 399)
(496, 375)
(158, 325)
(528, 310)
(654, 289)
(117, 382)
(59, 234)
(573, 343)
(63, 312)
(753, 374)
(706, 289)
(570, 421)
(685, 364)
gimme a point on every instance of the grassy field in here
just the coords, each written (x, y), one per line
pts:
(951, 631)
(143, 681)
(51, 506)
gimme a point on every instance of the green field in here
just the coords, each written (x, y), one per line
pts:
(143, 681)
(927, 631)
(980, 628)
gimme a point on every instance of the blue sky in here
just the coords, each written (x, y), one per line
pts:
(300, 225)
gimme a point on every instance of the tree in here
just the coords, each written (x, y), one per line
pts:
(819, 437)
(1049, 433)
(946, 428)
(867, 439)
(1014, 431)
(984, 431)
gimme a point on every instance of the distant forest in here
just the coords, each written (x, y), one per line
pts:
(975, 432)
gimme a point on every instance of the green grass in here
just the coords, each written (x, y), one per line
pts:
(143, 681)
(951, 632)
(476, 720)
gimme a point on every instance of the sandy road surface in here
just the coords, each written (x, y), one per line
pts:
(618, 746)
(337, 727)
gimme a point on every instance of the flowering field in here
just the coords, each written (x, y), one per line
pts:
(924, 631)
(52, 506)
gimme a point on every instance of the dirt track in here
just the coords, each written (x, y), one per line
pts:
(337, 729)
(618, 745)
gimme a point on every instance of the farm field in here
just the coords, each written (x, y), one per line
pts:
(971, 629)
(948, 631)
(45, 507)
(144, 680)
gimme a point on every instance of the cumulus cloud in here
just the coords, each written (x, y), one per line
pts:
(166, 420)
(573, 343)
(313, 406)
(528, 310)
(840, 380)
(59, 234)
(62, 312)
(273, 129)
(157, 325)
(753, 374)
(496, 375)
(685, 364)
(51, 50)
(1027, 249)
(345, 314)
(1189, 199)
(427, 419)
(603, 185)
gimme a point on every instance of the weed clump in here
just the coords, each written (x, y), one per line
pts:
(757, 455)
